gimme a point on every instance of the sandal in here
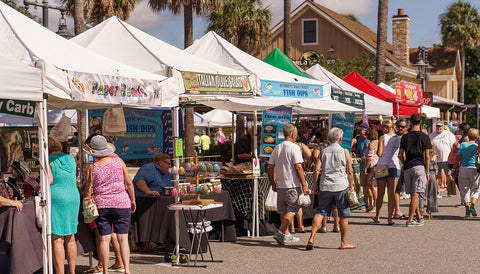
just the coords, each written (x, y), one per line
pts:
(375, 220)
(403, 217)
(95, 270)
(309, 246)
(117, 268)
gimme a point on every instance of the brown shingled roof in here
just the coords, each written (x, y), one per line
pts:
(442, 59)
(362, 31)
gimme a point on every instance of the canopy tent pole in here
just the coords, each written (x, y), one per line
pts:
(232, 136)
(256, 219)
(175, 131)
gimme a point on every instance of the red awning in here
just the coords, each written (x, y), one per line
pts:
(360, 82)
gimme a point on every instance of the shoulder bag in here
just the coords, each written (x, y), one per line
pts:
(90, 211)
(382, 171)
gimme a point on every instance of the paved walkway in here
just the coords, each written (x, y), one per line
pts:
(446, 244)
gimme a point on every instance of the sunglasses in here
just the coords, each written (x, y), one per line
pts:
(401, 126)
(168, 163)
(439, 126)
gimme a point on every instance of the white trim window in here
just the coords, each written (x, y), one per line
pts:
(310, 31)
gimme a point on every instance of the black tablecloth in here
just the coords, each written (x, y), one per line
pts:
(155, 223)
(19, 230)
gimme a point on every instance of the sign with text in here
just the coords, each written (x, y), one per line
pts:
(409, 94)
(149, 131)
(273, 121)
(283, 89)
(114, 90)
(427, 98)
(205, 83)
(345, 121)
(17, 107)
(349, 98)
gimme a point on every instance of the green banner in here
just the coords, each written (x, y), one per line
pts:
(17, 107)
(178, 147)
(347, 97)
(204, 83)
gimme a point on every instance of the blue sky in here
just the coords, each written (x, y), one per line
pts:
(424, 22)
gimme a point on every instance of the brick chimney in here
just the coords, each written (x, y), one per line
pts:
(400, 36)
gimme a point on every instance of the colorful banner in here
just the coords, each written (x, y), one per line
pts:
(349, 98)
(345, 121)
(204, 83)
(148, 132)
(273, 121)
(114, 90)
(17, 107)
(409, 94)
(284, 89)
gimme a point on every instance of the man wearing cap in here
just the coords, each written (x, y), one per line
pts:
(443, 141)
(152, 178)
(362, 144)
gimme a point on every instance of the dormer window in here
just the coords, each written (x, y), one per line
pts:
(310, 31)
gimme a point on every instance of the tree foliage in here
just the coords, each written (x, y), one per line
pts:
(243, 23)
(96, 11)
(21, 9)
(364, 65)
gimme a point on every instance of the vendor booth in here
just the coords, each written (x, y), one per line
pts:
(403, 103)
(69, 77)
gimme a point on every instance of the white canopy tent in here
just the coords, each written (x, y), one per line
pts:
(217, 118)
(431, 112)
(220, 51)
(32, 51)
(373, 106)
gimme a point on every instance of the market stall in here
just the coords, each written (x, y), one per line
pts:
(71, 77)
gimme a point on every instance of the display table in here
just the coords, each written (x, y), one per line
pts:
(197, 225)
(155, 223)
(19, 230)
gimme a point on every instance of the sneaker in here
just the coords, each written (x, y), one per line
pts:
(473, 211)
(405, 196)
(291, 239)
(420, 222)
(280, 238)
(439, 195)
(467, 214)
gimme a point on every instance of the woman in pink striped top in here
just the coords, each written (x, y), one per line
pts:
(114, 195)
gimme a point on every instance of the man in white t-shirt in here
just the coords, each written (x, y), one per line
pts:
(443, 141)
(286, 176)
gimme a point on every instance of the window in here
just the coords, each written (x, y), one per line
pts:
(310, 31)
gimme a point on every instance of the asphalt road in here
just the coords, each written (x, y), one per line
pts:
(446, 244)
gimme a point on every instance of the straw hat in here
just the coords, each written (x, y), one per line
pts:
(99, 147)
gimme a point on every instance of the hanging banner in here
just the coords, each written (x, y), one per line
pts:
(17, 107)
(113, 89)
(284, 89)
(345, 121)
(408, 94)
(349, 98)
(204, 83)
(149, 132)
(273, 121)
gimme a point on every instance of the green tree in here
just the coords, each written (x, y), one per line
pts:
(243, 24)
(460, 29)
(382, 24)
(21, 9)
(188, 6)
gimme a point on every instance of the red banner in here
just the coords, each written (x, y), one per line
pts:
(408, 94)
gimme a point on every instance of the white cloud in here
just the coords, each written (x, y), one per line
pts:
(143, 17)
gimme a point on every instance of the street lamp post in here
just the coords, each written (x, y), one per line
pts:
(62, 26)
(423, 66)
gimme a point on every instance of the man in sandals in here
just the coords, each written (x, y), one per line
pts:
(415, 156)
(286, 176)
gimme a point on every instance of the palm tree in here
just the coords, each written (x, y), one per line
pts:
(287, 27)
(78, 16)
(460, 29)
(96, 11)
(382, 24)
(189, 6)
(243, 24)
